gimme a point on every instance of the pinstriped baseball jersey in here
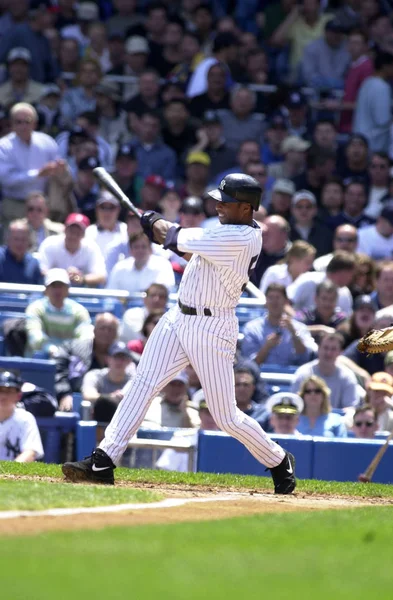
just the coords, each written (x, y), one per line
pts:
(220, 267)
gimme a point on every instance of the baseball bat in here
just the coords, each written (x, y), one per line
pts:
(369, 472)
(110, 184)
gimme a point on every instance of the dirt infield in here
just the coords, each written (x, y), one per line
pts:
(200, 504)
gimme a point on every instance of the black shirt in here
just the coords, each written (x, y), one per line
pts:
(202, 103)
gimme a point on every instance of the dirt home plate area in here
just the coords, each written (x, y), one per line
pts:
(181, 503)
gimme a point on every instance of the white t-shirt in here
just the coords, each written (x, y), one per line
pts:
(302, 293)
(104, 238)
(132, 323)
(275, 274)
(321, 263)
(375, 205)
(18, 434)
(374, 244)
(124, 276)
(88, 259)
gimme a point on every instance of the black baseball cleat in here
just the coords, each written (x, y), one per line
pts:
(98, 468)
(284, 475)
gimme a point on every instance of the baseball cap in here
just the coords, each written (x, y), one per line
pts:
(51, 90)
(284, 186)
(198, 400)
(10, 380)
(193, 205)
(156, 181)
(88, 163)
(77, 219)
(388, 358)
(137, 45)
(87, 11)
(57, 276)
(303, 195)
(19, 53)
(285, 403)
(296, 100)
(387, 212)
(107, 197)
(109, 89)
(277, 120)
(334, 25)
(363, 301)
(119, 348)
(381, 381)
(200, 158)
(126, 150)
(180, 377)
(210, 116)
(295, 143)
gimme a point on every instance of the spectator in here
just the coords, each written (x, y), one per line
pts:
(171, 54)
(90, 122)
(48, 110)
(85, 191)
(224, 51)
(324, 317)
(69, 56)
(298, 114)
(356, 159)
(298, 260)
(108, 229)
(284, 409)
(152, 154)
(81, 258)
(141, 269)
(191, 56)
(388, 362)
(148, 97)
(197, 174)
(112, 118)
(134, 64)
(19, 87)
(360, 322)
(275, 134)
(326, 60)
(191, 213)
(97, 48)
(104, 387)
(293, 149)
(30, 35)
(81, 98)
(77, 357)
(365, 274)
(275, 233)
(321, 164)
(345, 238)
(353, 212)
(216, 96)
(275, 338)
(54, 319)
(17, 265)
(28, 160)
(37, 220)
(177, 132)
(170, 204)
(338, 378)
(15, 14)
(211, 141)
(125, 17)
(241, 122)
(382, 296)
(138, 346)
(378, 192)
(365, 422)
(249, 151)
(259, 171)
(325, 135)
(155, 299)
(379, 396)
(332, 199)
(317, 417)
(125, 173)
(86, 13)
(377, 240)
(171, 408)
(20, 437)
(306, 226)
(245, 383)
(372, 115)
(340, 271)
(152, 191)
(375, 362)
(283, 191)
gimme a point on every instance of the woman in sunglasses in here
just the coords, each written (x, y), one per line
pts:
(317, 417)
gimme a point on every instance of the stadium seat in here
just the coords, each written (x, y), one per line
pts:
(39, 372)
(52, 430)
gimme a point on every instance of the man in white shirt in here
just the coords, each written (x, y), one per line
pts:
(81, 258)
(345, 238)
(141, 269)
(108, 229)
(377, 240)
(340, 270)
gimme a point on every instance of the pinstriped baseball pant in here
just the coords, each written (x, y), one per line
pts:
(209, 344)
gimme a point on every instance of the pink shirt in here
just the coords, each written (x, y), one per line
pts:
(358, 72)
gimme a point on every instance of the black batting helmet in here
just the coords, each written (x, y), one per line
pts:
(237, 187)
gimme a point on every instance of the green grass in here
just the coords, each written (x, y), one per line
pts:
(343, 555)
(209, 480)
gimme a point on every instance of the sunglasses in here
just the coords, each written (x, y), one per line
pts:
(365, 423)
(315, 390)
(107, 207)
(346, 240)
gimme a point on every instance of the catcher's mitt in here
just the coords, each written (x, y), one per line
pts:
(376, 340)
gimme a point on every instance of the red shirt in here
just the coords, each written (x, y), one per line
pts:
(358, 72)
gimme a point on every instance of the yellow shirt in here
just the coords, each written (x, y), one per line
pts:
(301, 34)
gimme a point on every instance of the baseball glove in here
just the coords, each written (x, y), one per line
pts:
(376, 340)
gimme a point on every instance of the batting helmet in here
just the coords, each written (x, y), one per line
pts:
(237, 187)
(10, 380)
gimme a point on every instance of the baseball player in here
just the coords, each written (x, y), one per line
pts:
(202, 330)
(19, 436)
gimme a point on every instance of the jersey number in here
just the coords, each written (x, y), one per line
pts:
(251, 268)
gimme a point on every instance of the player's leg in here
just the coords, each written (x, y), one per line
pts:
(163, 357)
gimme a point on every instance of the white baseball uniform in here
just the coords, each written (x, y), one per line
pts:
(19, 433)
(219, 269)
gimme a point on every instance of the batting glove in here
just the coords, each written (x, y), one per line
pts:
(147, 221)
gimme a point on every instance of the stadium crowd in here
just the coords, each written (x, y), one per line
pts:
(170, 97)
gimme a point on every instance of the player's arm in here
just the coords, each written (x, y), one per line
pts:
(157, 229)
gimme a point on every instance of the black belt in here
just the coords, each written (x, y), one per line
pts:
(189, 310)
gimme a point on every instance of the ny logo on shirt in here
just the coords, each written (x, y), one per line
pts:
(12, 450)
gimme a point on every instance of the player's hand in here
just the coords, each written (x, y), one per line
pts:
(147, 221)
